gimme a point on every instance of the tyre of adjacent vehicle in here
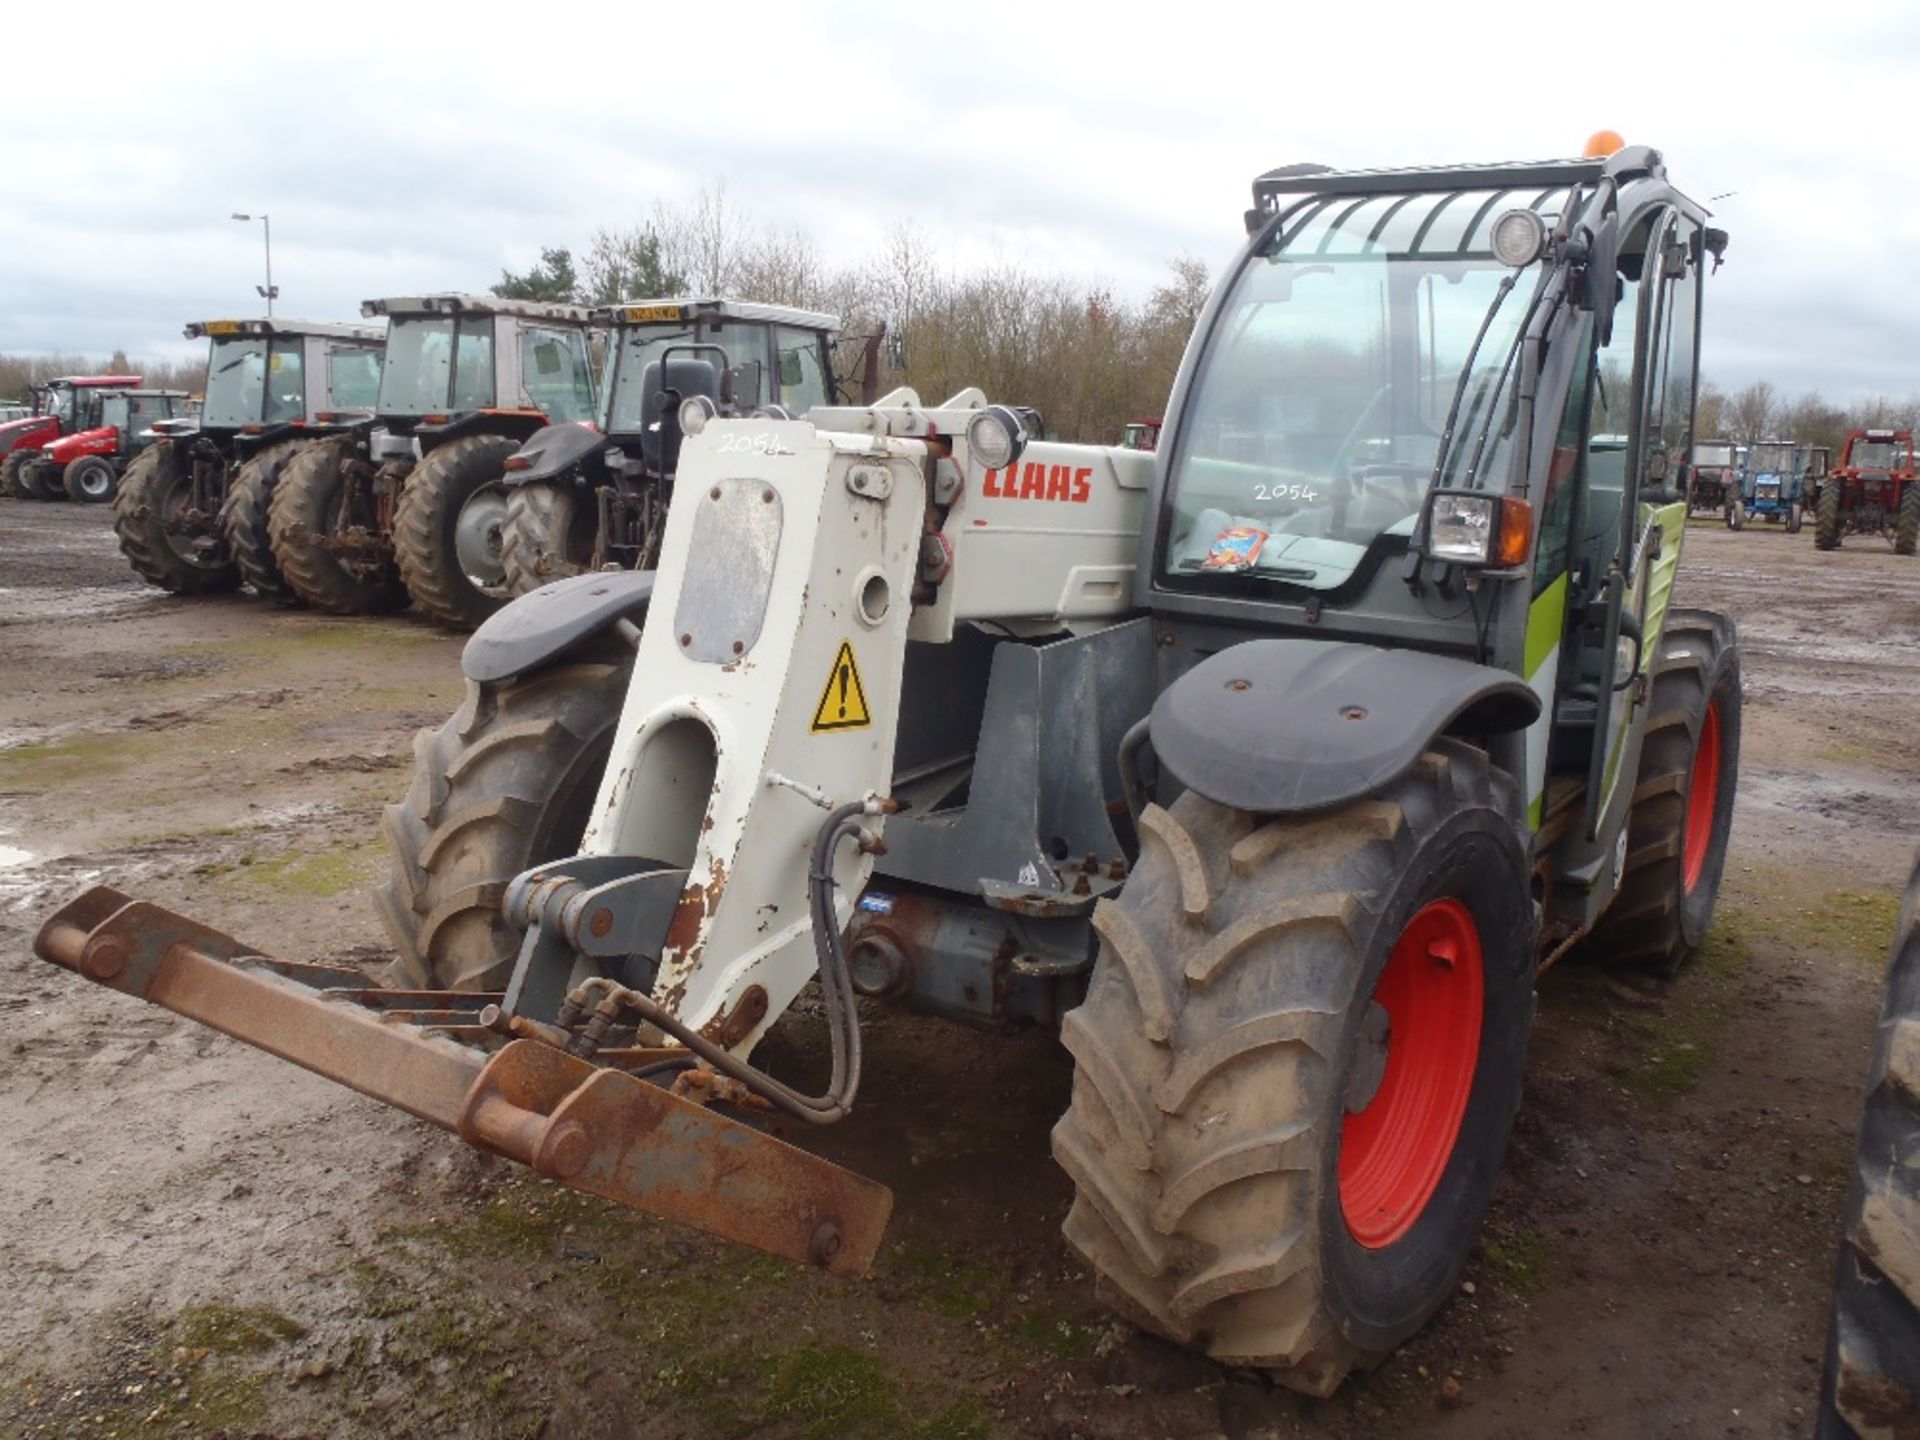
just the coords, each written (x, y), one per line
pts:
(1297, 1065)
(155, 494)
(244, 521)
(505, 784)
(1826, 518)
(90, 480)
(1906, 525)
(550, 532)
(1736, 515)
(300, 517)
(1682, 809)
(1871, 1387)
(29, 479)
(1796, 516)
(447, 530)
(11, 482)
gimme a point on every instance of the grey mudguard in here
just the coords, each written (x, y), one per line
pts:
(554, 618)
(1282, 726)
(554, 449)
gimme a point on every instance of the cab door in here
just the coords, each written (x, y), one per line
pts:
(1642, 426)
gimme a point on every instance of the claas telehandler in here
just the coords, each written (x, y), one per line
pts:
(1271, 766)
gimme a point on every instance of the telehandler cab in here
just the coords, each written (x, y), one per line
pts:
(581, 497)
(408, 502)
(1271, 766)
(191, 512)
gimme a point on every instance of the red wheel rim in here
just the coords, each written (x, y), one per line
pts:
(1394, 1151)
(1702, 793)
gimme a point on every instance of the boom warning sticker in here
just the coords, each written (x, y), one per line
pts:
(843, 704)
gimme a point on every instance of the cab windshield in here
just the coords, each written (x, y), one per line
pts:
(1315, 420)
(1878, 455)
(1770, 459)
(434, 363)
(742, 343)
(250, 379)
(59, 404)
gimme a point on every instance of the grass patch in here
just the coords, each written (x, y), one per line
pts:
(332, 870)
(1520, 1261)
(75, 758)
(233, 1329)
(834, 1391)
(1856, 924)
(1677, 1048)
(1057, 1335)
(953, 1286)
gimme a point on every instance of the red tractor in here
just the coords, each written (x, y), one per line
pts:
(1140, 435)
(61, 407)
(1872, 491)
(87, 464)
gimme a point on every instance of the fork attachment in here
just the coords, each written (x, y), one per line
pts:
(592, 1128)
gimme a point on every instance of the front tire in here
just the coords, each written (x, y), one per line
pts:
(1297, 1066)
(147, 516)
(1796, 515)
(300, 516)
(550, 533)
(90, 480)
(447, 530)
(505, 784)
(28, 479)
(1872, 1382)
(1736, 515)
(1826, 519)
(1906, 528)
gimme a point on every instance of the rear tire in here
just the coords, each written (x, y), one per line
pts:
(447, 530)
(90, 480)
(27, 478)
(11, 481)
(1826, 519)
(1872, 1383)
(1906, 529)
(543, 540)
(1796, 516)
(1235, 1017)
(299, 513)
(505, 784)
(1682, 807)
(1736, 515)
(152, 494)
(245, 522)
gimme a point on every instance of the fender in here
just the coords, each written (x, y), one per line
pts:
(31, 433)
(536, 628)
(554, 450)
(1285, 726)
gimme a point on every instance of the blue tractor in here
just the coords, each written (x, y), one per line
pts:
(1772, 484)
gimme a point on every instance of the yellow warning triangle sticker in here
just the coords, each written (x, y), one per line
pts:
(843, 704)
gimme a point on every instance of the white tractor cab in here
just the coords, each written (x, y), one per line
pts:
(192, 508)
(409, 502)
(1271, 766)
(583, 498)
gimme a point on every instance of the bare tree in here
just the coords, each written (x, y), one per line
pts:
(1751, 412)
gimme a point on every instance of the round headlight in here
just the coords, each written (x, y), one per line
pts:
(695, 412)
(1518, 238)
(995, 437)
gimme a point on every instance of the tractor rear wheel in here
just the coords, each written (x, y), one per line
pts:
(1297, 1066)
(1906, 528)
(446, 530)
(12, 478)
(245, 522)
(147, 516)
(301, 515)
(1826, 519)
(550, 532)
(507, 783)
(1872, 1384)
(89, 480)
(1682, 808)
(29, 479)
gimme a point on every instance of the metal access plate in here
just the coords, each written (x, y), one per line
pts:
(723, 599)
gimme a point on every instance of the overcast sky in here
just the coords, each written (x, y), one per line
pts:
(402, 148)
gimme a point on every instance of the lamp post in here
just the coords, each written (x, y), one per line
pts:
(269, 291)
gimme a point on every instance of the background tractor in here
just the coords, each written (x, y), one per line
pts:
(1272, 767)
(581, 498)
(1141, 435)
(61, 407)
(1872, 1383)
(87, 465)
(1773, 484)
(192, 509)
(409, 501)
(1715, 476)
(1872, 491)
